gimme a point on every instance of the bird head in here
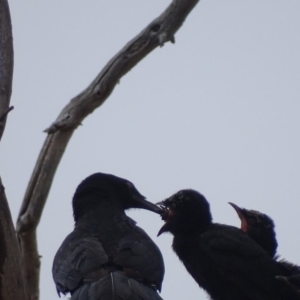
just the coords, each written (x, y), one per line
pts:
(105, 189)
(185, 213)
(259, 227)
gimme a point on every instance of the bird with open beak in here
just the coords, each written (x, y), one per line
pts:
(259, 227)
(222, 259)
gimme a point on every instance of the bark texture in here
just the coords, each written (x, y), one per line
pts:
(6, 63)
(11, 277)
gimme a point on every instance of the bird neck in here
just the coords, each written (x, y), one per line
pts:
(107, 225)
(95, 205)
(105, 212)
(265, 238)
(191, 228)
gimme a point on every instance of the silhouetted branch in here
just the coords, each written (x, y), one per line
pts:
(11, 276)
(158, 32)
(5, 113)
(6, 62)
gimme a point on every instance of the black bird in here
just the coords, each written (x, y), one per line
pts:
(261, 228)
(107, 256)
(222, 259)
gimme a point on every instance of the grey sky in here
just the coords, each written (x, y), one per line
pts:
(219, 112)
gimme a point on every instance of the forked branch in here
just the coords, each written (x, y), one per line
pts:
(158, 32)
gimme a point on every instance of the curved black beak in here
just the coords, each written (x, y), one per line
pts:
(141, 202)
(164, 228)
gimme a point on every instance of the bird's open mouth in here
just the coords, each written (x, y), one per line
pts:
(165, 211)
(244, 223)
(166, 215)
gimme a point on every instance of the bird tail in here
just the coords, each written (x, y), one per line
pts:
(115, 286)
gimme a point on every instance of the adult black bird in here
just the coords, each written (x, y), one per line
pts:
(261, 228)
(107, 256)
(222, 259)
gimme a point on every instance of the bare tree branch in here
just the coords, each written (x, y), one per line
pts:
(33, 204)
(158, 32)
(11, 276)
(6, 62)
(5, 113)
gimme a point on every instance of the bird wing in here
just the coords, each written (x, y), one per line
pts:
(241, 263)
(77, 260)
(135, 252)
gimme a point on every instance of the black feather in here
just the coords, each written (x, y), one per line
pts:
(106, 252)
(261, 228)
(222, 259)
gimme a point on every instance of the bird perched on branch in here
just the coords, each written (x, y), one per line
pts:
(222, 259)
(107, 256)
(261, 228)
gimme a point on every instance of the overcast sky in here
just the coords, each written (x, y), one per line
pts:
(219, 112)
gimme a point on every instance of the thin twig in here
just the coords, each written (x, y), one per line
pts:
(5, 113)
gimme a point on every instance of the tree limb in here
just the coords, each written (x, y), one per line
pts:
(6, 62)
(158, 32)
(11, 276)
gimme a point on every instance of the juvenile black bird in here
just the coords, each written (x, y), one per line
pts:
(222, 259)
(107, 256)
(261, 228)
